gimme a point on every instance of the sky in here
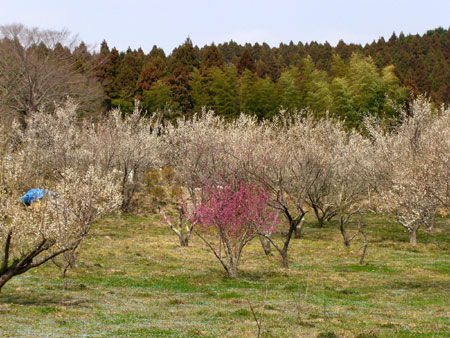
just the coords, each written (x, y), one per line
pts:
(167, 23)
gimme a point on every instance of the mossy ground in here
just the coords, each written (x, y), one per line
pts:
(134, 280)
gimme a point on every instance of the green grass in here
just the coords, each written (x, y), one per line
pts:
(134, 280)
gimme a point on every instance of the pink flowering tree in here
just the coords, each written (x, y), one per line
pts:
(234, 213)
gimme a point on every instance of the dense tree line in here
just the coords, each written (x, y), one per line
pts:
(345, 81)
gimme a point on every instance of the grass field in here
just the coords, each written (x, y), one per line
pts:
(134, 280)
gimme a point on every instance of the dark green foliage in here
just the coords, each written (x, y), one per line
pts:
(106, 69)
(127, 76)
(159, 98)
(212, 57)
(246, 62)
(289, 90)
(186, 55)
(224, 91)
(258, 96)
(348, 80)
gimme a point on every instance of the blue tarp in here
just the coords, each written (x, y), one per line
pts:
(33, 195)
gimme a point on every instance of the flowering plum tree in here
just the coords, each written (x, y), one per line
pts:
(350, 185)
(235, 212)
(437, 156)
(413, 171)
(56, 159)
(31, 236)
(289, 160)
(128, 144)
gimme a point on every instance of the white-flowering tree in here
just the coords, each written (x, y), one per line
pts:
(323, 139)
(288, 160)
(196, 150)
(351, 183)
(411, 177)
(127, 143)
(57, 141)
(437, 157)
(31, 236)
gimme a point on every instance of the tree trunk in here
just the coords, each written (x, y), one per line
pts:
(363, 233)
(4, 279)
(184, 241)
(320, 222)
(65, 277)
(431, 221)
(284, 259)
(344, 234)
(232, 271)
(413, 236)
(319, 218)
(299, 228)
(265, 243)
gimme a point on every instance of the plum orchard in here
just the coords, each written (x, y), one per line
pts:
(238, 175)
(302, 161)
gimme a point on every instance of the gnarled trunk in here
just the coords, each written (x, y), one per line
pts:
(4, 279)
(265, 243)
(344, 234)
(320, 217)
(299, 228)
(184, 240)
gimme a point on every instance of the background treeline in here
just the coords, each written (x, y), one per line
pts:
(346, 80)
(41, 67)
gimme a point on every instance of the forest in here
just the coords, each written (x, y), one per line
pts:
(345, 81)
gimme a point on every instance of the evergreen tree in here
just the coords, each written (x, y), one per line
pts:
(107, 66)
(157, 52)
(289, 90)
(338, 66)
(159, 98)
(315, 88)
(179, 84)
(154, 69)
(212, 57)
(185, 55)
(200, 90)
(224, 91)
(247, 92)
(343, 106)
(267, 99)
(258, 96)
(127, 76)
(246, 61)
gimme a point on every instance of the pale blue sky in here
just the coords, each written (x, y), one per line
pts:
(139, 23)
